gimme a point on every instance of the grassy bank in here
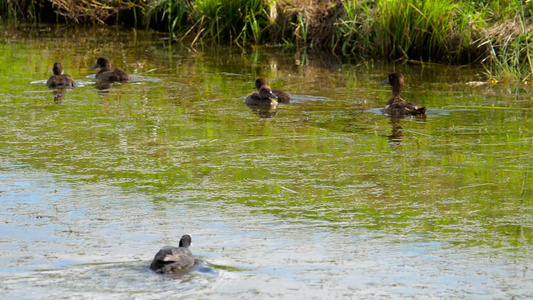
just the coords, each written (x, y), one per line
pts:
(495, 33)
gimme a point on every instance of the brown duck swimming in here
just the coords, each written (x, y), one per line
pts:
(263, 97)
(282, 96)
(108, 74)
(396, 106)
(170, 259)
(60, 80)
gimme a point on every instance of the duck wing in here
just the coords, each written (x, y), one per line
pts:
(171, 258)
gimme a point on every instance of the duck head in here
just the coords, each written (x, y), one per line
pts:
(186, 240)
(259, 82)
(58, 68)
(265, 92)
(102, 63)
(395, 80)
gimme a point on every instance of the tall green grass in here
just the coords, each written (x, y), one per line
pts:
(239, 21)
(511, 47)
(408, 29)
(233, 20)
(172, 13)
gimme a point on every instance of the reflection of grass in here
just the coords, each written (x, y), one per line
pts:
(496, 33)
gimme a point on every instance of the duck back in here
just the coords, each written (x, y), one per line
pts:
(60, 81)
(116, 74)
(170, 259)
(396, 106)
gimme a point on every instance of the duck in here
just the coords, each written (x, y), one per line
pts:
(108, 74)
(60, 80)
(282, 96)
(396, 106)
(263, 97)
(171, 259)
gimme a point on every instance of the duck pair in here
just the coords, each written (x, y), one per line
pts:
(266, 96)
(61, 80)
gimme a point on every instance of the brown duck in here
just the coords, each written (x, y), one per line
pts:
(60, 80)
(282, 96)
(108, 74)
(263, 97)
(396, 106)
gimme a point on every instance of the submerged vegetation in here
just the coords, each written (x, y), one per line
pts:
(496, 33)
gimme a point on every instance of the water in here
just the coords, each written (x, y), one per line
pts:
(321, 198)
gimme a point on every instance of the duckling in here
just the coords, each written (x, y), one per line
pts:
(108, 74)
(282, 96)
(170, 259)
(263, 97)
(60, 80)
(396, 106)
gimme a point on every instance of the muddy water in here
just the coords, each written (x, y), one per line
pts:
(324, 197)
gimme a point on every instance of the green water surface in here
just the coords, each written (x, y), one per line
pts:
(134, 165)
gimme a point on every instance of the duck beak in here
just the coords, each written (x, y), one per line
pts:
(96, 66)
(384, 82)
(271, 95)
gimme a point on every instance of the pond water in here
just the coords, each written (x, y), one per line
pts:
(324, 197)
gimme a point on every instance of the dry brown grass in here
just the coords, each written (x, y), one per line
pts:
(92, 11)
(311, 22)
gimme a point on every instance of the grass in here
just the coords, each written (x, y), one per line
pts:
(408, 29)
(510, 47)
(496, 33)
(232, 20)
(173, 13)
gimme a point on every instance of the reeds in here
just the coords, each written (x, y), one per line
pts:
(175, 14)
(511, 46)
(233, 20)
(25, 9)
(237, 21)
(408, 29)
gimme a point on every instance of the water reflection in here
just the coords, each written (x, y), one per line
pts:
(59, 94)
(396, 136)
(263, 111)
(103, 87)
